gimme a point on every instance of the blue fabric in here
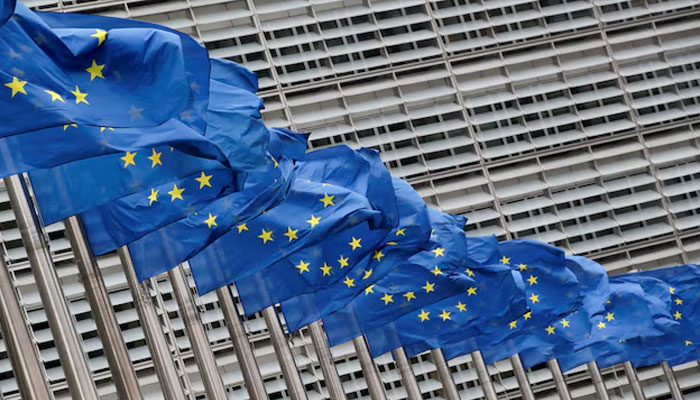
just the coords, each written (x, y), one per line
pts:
(142, 67)
(7, 7)
(338, 173)
(411, 234)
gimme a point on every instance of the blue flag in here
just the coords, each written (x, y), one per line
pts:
(498, 296)
(368, 262)
(90, 76)
(330, 195)
(7, 7)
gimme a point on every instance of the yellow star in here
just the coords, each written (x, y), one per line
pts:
(176, 193)
(565, 323)
(387, 298)
(391, 243)
(369, 289)
(104, 128)
(527, 315)
(349, 282)
(155, 158)
(688, 343)
(302, 267)
(378, 255)
(532, 280)
(367, 274)
(601, 325)
(505, 260)
(100, 35)
(523, 267)
(95, 71)
(678, 301)
(534, 298)
(550, 330)
(445, 315)
(313, 221)
(469, 272)
(343, 261)
(423, 316)
(610, 316)
(274, 162)
(242, 227)
(409, 296)
(461, 306)
(129, 159)
(153, 197)
(440, 251)
(429, 287)
(401, 232)
(266, 236)
(204, 180)
(471, 291)
(291, 233)
(355, 243)
(327, 200)
(17, 86)
(211, 221)
(326, 269)
(513, 324)
(436, 271)
(66, 126)
(79, 96)
(56, 97)
(672, 290)
(677, 315)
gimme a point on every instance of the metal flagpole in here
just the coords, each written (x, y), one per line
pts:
(65, 336)
(325, 358)
(244, 353)
(598, 382)
(115, 350)
(407, 376)
(155, 339)
(676, 393)
(203, 354)
(295, 387)
(559, 380)
(24, 356)
(482, 373)
(521, 377)
(369, 369)
(449, 389)
(634, 381)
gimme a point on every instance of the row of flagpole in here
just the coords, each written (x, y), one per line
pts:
(31, 376)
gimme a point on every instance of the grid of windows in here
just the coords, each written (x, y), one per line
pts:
(572, 122)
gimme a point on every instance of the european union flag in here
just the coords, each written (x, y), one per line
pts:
(91, 76)
(313, 211)
(634, 309)
(368, 261)
(680, 343)
(498, 295)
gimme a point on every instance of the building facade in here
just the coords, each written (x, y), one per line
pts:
(571, 122)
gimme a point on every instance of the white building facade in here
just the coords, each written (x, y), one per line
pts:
(571, 122)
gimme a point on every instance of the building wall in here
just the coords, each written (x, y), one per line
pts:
(571, 122)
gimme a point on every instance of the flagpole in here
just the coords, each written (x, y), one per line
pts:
(244, 353)
(115, 350)
(634, 381)
(676, 393)
(295, 387)
(407, 375)
(559, 379)
(482, 373)
(65, 336)
(598, 382)
(201, 347)
(161, 355)
(369, 369)
(24, 356)
(325, 358)
(449, 389)
(522, 378)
